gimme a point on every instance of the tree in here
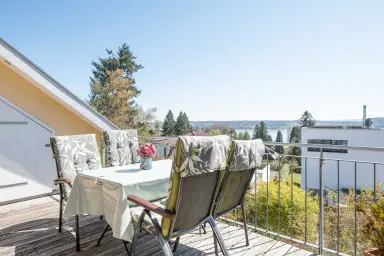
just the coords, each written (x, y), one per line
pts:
(103, 94)
(246, 136)
(224, 129)
(113, 98)
(306, 120)
(295, 138)
(187, 125)
(157, 128)
(295, 151)
(279, 138)
(261, 132)
(145, 121)
(368, 123)
(168, 125)
(215, 132)
(182, 125)
(295, 134)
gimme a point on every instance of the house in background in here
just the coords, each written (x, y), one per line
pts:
(343, 136)
(33, 107)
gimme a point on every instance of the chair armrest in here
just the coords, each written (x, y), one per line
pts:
(62, 181)
(151, 207)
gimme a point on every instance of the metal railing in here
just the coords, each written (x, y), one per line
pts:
(319, 193)
(338, 222)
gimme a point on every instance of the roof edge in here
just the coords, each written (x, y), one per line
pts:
(59, 86)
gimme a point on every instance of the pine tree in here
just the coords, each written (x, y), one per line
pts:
(168, 128)
(295, 134)
(279, 138)
(306, 120)
(113, 94)
(102, 95)
(295, 138)
(246, 136)
(187, 125)
(182, 125)
(261, 132)
(240, 136)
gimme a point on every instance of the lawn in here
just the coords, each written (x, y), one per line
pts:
(296, 178)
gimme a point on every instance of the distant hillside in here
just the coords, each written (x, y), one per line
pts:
(378, 122)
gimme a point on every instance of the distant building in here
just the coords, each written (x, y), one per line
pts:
(342, 136)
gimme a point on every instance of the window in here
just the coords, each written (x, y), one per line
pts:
(329, 142)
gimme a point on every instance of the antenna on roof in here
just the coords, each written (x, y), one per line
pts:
(364, 114)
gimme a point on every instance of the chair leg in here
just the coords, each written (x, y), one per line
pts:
(245, 225)
(77, 234)
(61, 215)
(126, 248)
(176, 244)
(101, 217)
(102, 235)
(202, 227)
(217, 235)
(136, 233)
(216, 249)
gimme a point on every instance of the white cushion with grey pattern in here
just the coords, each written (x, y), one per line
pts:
(121, 147)
(247, 154)
(202, 154)
(74, 154)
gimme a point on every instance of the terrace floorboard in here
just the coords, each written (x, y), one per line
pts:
(31, 228)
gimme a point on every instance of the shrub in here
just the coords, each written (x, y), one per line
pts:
(348, 205)
(373, 221)
(256, 211)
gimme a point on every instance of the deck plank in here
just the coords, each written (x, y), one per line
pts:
(31, 228)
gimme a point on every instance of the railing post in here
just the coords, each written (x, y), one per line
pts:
(321, 217)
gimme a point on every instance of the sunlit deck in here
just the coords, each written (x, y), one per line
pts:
(30, 228)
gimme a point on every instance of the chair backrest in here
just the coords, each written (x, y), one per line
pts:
(196, 170)
(121, 147)
(244, 157)
(73, 154)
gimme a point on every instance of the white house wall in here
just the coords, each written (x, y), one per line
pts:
(364, 171)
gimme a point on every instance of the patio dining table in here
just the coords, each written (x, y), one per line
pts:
(104, 192)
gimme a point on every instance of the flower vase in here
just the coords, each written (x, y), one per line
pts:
(146, 163)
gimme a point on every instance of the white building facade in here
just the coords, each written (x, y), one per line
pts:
(358, 137)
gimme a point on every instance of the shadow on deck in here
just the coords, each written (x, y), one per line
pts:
(30, 228)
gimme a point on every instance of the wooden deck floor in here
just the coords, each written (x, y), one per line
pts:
(30, 228)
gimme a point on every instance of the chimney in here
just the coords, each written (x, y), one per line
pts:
(364, 114)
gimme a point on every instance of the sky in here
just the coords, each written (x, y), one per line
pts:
(216, 60)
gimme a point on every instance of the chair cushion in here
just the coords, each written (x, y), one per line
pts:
(202, 154)
(122, 147)
(246, 154)
(74, 154)
(194, 155)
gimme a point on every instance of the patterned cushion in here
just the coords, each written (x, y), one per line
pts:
(73, 154)
(194, 155)
(121, 147)
(202, 154)
(246, 154)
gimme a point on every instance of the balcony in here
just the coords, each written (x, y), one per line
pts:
(296, 205)
(30, 228)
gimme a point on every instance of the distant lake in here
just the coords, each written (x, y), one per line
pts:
(271, 131)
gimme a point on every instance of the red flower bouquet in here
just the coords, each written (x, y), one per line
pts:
(146, 150)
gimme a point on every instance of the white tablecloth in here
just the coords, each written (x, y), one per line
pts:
(104, 192)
